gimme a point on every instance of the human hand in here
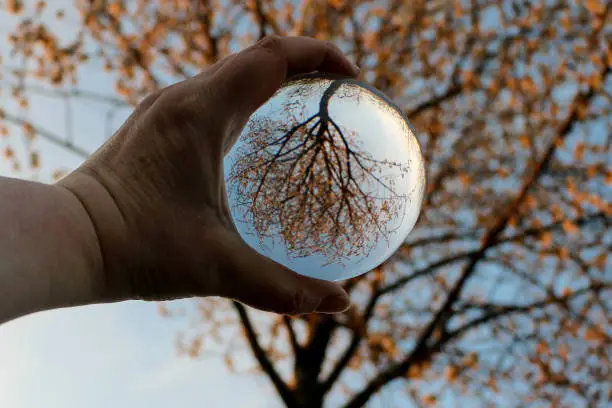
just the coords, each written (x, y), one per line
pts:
(155, 191)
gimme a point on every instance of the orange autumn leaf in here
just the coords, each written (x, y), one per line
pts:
(569, 227)
(593, 334)
(34, 160)
(163, 310)
(116, 8)
(414, 371)
(23, 103)
(581, 111)
(14, 6)
(546, 239)
(9, 153)
(229, 363)
(556, 212)
(595, 6)
(542, 348)
(563, 350)
(40, 5)
(601, 260)
(492, 384)
(595, 81)
(503, 172)
(531, 202)
(28, 130)
(451, 372)
(592, 171)
(429, 399)
(579, 151)
(465, 179)
(528, 85)
(195, 347)
(471, 360)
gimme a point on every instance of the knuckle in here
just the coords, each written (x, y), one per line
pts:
(267, 57)
(185, 99)
(177, 112)
(180, 109)
(272, 43)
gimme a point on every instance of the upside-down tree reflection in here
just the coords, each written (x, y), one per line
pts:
(308, 178)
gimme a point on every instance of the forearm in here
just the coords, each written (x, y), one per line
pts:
(49, 255)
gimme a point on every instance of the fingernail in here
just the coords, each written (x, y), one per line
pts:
(334, 304)
(356, 69)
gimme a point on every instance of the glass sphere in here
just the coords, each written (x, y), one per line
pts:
(326, 178)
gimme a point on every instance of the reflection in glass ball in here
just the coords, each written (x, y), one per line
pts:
(326, 178)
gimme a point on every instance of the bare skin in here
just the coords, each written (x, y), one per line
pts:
(146, 216)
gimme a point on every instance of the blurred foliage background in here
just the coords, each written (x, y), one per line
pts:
(502, 295)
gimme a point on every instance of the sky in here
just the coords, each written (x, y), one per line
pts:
(119, 355)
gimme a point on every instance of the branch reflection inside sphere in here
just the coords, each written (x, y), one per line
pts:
(327, 178)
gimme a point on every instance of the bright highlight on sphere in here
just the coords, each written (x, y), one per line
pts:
(326, 178)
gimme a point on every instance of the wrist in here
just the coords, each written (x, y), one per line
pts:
(48, 251)
(79, 282)
(97, 208)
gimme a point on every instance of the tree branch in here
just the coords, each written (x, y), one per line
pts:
(315, 350)
(425, 271)
(497, 311)
(421, 351)
(46, 134)
(369, 310)
(357, 335)
(266, 365)
(263, 20)
(353, 346)
(203, 14)
(295, 345)
(442, 238)
(75, 93)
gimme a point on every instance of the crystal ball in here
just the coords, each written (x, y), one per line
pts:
(326, 178)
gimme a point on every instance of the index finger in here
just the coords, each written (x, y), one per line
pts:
(253, 75)
(304, 54)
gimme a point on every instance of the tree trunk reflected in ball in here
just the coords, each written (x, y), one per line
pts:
(326, 178)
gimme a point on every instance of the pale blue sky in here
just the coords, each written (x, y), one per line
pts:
(119, 355)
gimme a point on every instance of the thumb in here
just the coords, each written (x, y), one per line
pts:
(261, 283)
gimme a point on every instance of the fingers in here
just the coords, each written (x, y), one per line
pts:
(253, 75)
(303, 54)
(264, 284)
